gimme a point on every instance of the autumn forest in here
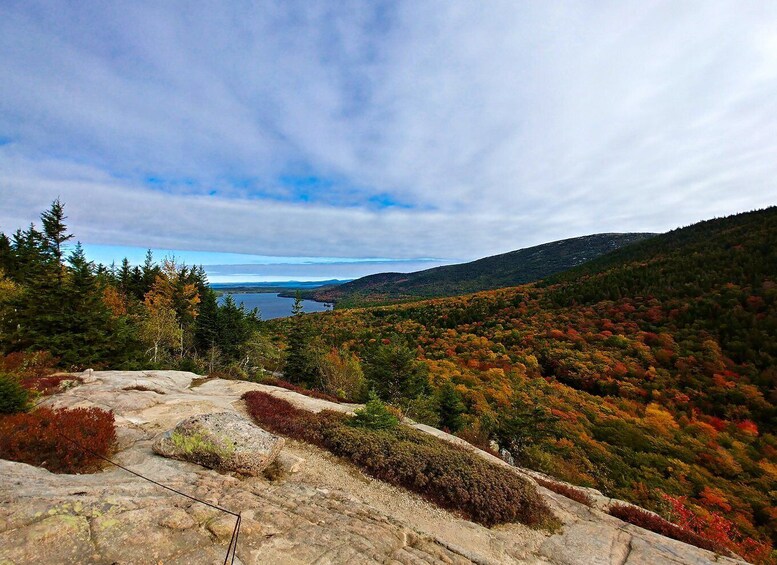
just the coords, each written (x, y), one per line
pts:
(649, 373)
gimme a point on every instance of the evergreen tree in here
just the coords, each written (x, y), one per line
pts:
(395, 374)
(55, 231)
(149, 272)
(68, 318)
(124, 276)
(206, 325)
(234, 327)
(29, 254)
(88, 317)
(299, 367)
(451, 407)
(6, 254)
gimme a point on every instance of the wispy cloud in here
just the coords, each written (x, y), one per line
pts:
(397, 129)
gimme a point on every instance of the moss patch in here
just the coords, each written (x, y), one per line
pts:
(198, 443)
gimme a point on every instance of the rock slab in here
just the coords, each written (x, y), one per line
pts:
(224, 441)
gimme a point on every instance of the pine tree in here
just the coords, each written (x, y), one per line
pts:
(149, 272)
(233, 328)
(451, 407)
(55, 231)
(124, 276)
(299, 368)
(6, 254)
(206, 325)
(395, 374)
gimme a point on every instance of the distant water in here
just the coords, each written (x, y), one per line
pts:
(273, 306)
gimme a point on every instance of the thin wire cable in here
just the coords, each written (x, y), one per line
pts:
(232, 548)
(235, 530)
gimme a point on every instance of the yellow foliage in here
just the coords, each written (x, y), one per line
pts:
(660, 420)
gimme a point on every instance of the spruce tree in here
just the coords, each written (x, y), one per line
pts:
(233, 328)
(395, 374)
(55, 231)
(299, 367)
(451, 407)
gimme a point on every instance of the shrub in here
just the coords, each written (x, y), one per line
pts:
(566, 490)
(281, 417)
(374, 416)
(46, 438)
(28, 363)
(13, 396)
(448, 475)
(48, 385)
(272, 381)
(650, 521)
(340, 374)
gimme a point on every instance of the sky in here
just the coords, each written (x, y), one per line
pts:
(316, 140)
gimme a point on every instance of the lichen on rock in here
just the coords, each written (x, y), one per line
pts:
(223, 441)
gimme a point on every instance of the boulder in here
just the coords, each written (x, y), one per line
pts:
(224, 441)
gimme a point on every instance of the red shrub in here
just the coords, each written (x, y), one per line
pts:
(281, 417)
(28, 364)
(43, 438)
(650, 521)
(565, 490)
(305, 391)
(447, 475)
(47, 385)
(716, 528)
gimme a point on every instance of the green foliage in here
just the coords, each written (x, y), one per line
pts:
(199, 443)
(374, 416)
(300, 359)
(13, 396)
(450, 408)
(89, 315)
(394, 373)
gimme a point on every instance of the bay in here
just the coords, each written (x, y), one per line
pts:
(273, 306)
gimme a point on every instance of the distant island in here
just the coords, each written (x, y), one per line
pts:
(287, 288)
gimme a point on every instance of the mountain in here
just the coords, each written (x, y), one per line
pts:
(499, 271)
(649, 373)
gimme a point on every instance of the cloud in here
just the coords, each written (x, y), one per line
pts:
(451, 130)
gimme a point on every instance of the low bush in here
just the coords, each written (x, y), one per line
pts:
(28, 363)
(46, 437)
(449, 476)
(272, 381)
(13, 396)
(48, 384)
(566, 490)
(654, 523)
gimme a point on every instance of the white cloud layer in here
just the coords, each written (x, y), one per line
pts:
(431, 129)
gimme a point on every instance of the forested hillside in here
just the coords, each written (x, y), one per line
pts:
(649, 373)
(53, 300)
(499, 271)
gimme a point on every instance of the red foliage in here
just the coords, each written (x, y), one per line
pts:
(28, 364)
(714, 527)
(301, 390)
(566, 490)
(654, 523)
(47, 385)
(447, 475)
(46, 438)
(748, 427)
